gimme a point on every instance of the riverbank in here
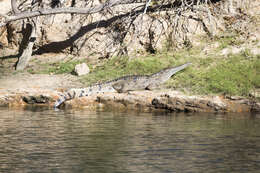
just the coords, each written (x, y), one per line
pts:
(42, 90)
(223, 47)
(213, 83)
(224, 77)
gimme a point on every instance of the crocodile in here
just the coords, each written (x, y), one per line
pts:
(122, 84)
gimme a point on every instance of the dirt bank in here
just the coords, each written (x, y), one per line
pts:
(42, 90)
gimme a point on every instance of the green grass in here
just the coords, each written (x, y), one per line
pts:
(55, 68)
(63, 67)
(229, 40)
(209, 74)
(120, 66)
(235, 75)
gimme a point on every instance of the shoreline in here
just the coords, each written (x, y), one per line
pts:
(142, 101)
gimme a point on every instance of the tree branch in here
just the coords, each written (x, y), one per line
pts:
(146, 5)
(74, 10)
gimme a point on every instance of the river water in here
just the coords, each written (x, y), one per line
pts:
(80, 141)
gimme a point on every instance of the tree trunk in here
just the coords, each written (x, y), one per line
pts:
(27, 51)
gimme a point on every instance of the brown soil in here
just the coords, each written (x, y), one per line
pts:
(26, 81)
(13, 81)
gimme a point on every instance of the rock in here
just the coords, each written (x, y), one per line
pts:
(3, 37)
(81, 69)
(5, 6)
(36, 99)
(234, 97)
(56, 34)
(78, 34)
(144, 101)
(256, 107)
(218, 102)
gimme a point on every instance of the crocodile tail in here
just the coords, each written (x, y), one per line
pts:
(64, 97)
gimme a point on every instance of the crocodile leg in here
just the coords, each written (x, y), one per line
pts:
(152, 87)
(119, 87)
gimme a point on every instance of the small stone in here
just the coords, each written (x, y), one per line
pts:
(218, 102)
(36, 99)
(81, 69)
(234, 97)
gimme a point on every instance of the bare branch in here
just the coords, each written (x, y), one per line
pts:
(146, 5)
(74, 10)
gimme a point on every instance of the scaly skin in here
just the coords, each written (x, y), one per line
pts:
(123, 84)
